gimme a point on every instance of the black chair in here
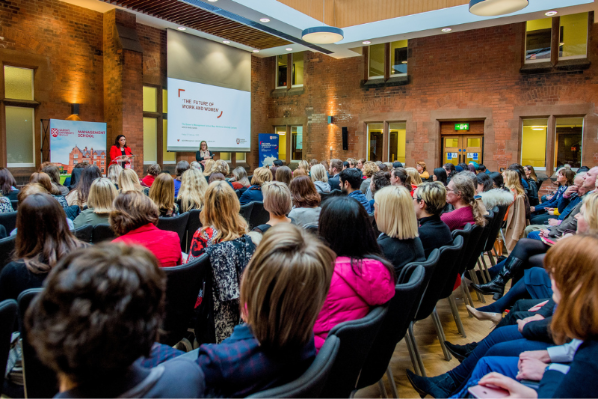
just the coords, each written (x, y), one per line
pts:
(193, 224)
(499, 215)
(246, 211)
(392, 332)
(178, 224)
(471, 235)
(490, 219)
(9, 221)
(357, 337)
(182, 287)
(84, 233)
(452, 261)
(102, 232)
(8, 315)
(311, 383)
(15, 204)
(7, 247)
(258, 215)
(40, 381)
(240, 191)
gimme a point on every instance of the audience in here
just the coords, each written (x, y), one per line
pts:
(361, 278)
(440, 175)
(395, 218)
(428, 201)
(5, 204)
(114, 174)
(336, 167)
(540, 214)
(350, 183)
(152, 172)
(303, 165)
(284, 174)
(421, 169)
(517, 216)
(134, 220)
(129, 181)
(80, 194)
(240, 180)
(8, 185)
(254, 192)
(217, 177)
(207, 170)
(193, 188)
(52, 170)
(99, 205)
(182, 167)
(399, 177)
(44, 180)
(277, 202)
(108, 304)
(415, 179)
(43, 238)
(484, 183)
(450, 171)
(299, 172)
(460, 194)
(195, 165)
(369, 168)
(320, 179)
(162, 193)
(221, 167)
(306, 201)
(379, 181)
(360, 163)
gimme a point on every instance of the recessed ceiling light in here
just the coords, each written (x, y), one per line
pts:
(181, 28)
(256, 51)
(264, 20)
(404, 62)
(212, 1)
(367, 42)
(225, 42)
(445, 30)
(289, 49)
(551, 13)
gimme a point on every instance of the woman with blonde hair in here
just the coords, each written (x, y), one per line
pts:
(207, 170)
(79, 195)
(99, 204)
(240, 180)
(162, 193)
(221, 166)
(320, 178)
(193, 188)
(369, 168)
(254, 192)
(277, 202)
(299, 172)
(114, 173)
(396, 220)
(460, 193)
(416, 180)
(518, 212)
(129, 181)
(305, 166)
(45, 180)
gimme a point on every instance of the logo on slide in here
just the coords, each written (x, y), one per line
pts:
(238, 141)
(178, 139)
(54, 132)
(180, 90)
(220, 115)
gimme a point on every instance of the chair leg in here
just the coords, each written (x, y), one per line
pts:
(487, 273)
(391, 379)
(481, 269)
(474, 278)
(491, 257)
(466, 295)
(382, 389)
(505, 250)
(412, 354)
(418, 357)
(456, 316)
(440, 334)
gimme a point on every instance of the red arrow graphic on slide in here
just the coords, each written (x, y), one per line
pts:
(220, 114)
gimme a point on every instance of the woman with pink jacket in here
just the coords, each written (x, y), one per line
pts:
(362, 279)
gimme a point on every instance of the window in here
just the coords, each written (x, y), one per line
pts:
(164, 101)
(150, 99)
(297, 72)
(376, 61)
(75, 156)
(533, 142)
(168, 158)
(375, 141)
(538, 40)
(20, 133)
(18, 83)
(398, 58)
(281, 70)
(297, 143)
(150, 138)
(281, 131)
(397, 141)
(239, 156)
(102, 163)
(568, 142)
(573, 36)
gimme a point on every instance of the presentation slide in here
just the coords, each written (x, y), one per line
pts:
(198, 112)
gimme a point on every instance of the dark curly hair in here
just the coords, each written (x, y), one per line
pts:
(381, 180)
(100, 310)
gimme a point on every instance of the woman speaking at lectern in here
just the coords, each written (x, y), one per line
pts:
(120, 150)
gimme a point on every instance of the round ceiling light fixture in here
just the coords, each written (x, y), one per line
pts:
(212, 1)
(323, 35)
(447, 30)
(264, 20)
(493, 8)
(367, 42)
(551, 13)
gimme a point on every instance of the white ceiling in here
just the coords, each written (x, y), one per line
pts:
(290, 21)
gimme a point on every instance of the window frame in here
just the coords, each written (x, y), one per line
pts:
(390, 61)
(292, 64)
(574, 57)
(387, 139)
(545, 167)
(289, 60)
(385, 127)
(160, 116)
(290, 132)
(384, 62)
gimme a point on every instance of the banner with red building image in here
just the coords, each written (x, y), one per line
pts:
(73, 142)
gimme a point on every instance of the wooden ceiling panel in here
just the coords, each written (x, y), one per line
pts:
(185, 14)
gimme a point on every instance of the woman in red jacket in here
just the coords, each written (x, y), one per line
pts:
(119, 150)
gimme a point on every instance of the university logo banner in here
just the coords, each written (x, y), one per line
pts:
(73, 142)
(268, 148)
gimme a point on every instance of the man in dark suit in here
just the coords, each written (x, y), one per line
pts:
(336, 167)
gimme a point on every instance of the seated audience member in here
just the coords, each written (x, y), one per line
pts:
(471, 168)
(114, 174)
(362, 278)
(52, 170)
(320, 178)
(283, 289)
(277, 202)
(240, 180)
(129, 181)
(313, 163)
(460, 194)
(482, 169)
(369, 168)
(221, 167)
(397, 164)
(415, 179)
(162, 193)
(345, 165)
(304, 165)
(182, 167)
(99, 204)
(306, 202)
(8, 184)
(352, 162)
(399, 177)
(152, 172)
(518, 214)
(451, 171)
(388, 166)
(109, 302)
(273, 170)
(498, 195)
(484, 183)
(217, 177)
(79, 195)
(254, 192)
(440, 175)
(395, 218)
(43, 238)
(195, 165)
(134, 220)
(564, 178)
(44, 180)
(298, 172)
(277, 162)
(284, 175)
(350, 183)
(5, 205)
(360, 163)
(336, 167)
(421, 169)
(207, 169)
(193, 188)
(382, 167)
(36, 188)
(429, 200)
(379, 181)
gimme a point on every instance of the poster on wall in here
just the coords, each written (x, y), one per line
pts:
(73, 142)
(268, 148)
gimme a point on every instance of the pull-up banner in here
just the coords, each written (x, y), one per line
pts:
(268, 148)
(73, 142)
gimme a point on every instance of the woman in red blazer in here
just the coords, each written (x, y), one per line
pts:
(118, 150)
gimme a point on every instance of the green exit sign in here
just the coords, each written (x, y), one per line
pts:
(461, 126)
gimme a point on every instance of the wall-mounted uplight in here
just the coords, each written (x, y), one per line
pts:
(551, 13)
(74, 109)
(182, 28)
(330, 120)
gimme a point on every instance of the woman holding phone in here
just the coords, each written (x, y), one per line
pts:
(203, 154)
(120, 152)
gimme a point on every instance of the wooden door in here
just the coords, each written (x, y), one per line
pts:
(462, 149)
(472, 147)
(451, 149)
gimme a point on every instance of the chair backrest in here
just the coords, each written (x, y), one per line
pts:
(102, 232)
(393, 328)
(499, 215)
(8, 315)
(429, 265)
(490, 219)
(7, 247)
(178, 224)
(84, 233)
(40, 381)
(258, 215)
(15, 204)
(455, 252)
(193, 224)
(311, 383)
(357, 337)
(9, 221)
(443, 273)
(374, 225)
(182, 287)
(246, 211)
(471, 235)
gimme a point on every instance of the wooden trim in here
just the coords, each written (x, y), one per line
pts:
(160, 132)
(554, 45)
(20, 103)
(386, 62)
(550, 144)
(289, 143)
(366, 63)
(385, 140)
(289, 67)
